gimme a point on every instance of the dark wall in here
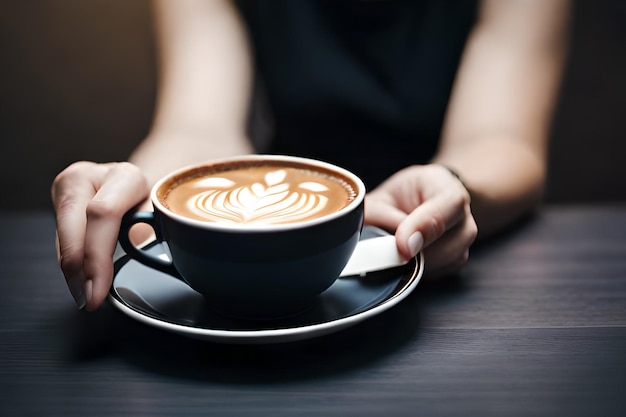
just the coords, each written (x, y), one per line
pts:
(588, 158)
(77, 82)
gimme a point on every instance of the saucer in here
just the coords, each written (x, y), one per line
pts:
(162, 301)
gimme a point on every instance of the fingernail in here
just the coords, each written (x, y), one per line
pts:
(77, 290)
(88, 290)
(58, 248)
(416, 241)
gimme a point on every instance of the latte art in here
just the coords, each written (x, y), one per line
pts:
(260, 195)
(273, 201)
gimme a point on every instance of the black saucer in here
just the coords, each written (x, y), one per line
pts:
(159, 300)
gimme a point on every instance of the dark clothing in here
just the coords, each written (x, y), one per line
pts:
(363, 84)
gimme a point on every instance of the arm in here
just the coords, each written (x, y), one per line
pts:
(498, 121)
(494, 137)
(204, 84)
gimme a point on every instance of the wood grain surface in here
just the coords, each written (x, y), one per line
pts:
(534, 326)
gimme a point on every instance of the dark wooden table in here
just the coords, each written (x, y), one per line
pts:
(535, 326)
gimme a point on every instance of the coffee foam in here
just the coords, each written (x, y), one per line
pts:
(261, 194)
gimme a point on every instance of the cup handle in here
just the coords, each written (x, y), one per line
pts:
(128, 221)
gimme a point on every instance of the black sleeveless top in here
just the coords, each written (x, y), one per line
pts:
(363, 84)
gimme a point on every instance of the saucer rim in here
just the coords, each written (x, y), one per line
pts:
(284, 334)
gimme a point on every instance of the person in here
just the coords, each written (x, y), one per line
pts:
(444, 110)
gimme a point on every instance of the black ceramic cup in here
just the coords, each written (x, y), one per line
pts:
(258, 270)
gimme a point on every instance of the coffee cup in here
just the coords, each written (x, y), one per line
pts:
(259, 236)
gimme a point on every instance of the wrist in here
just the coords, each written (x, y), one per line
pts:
(455, 174)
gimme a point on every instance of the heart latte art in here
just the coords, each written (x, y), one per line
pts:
(258, 195)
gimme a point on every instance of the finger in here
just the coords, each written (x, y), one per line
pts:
(451, 251)
(123, 188)
(383, 214)
(71, 191)
(429, 221)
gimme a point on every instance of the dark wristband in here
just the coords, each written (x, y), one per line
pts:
(456, 175)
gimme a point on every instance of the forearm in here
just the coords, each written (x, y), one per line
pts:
(161, 153)
(504, 178)
(204, 83)
(498, 122)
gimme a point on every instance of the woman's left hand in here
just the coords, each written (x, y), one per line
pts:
(428, 207)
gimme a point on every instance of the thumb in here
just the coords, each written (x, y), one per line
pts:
(428, 222)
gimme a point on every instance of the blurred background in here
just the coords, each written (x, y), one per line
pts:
(77, 82)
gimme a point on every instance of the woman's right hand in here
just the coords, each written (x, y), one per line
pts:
(89, 200)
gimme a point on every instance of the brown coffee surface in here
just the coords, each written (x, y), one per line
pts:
(255, 195)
